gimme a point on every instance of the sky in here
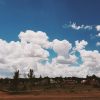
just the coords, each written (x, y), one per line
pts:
(53, 37)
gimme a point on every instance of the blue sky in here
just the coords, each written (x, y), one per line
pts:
(55, 17)
(48, 16)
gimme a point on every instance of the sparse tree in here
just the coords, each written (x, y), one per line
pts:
(31, 76)
(16, 80)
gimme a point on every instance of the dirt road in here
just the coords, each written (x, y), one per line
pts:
(72, 96)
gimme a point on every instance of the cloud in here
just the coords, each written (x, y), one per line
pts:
(78, 27)
(98, 27)
(24, 53)
(38, 38)
(32, 49)
(91, 61)
(80, 45)
(72, 59)
(94, 36)
(98, 44)
(98, 35)
(73, 25)
(61, 47)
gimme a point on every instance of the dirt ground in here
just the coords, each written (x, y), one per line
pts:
(51, 96)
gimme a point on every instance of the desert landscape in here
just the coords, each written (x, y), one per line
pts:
(49, 49)
(58, 88)
(51, 96)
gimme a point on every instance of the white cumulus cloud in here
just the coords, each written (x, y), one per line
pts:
(98, 35)
(98, 44)
(61, 47)
(98, 27)
(32, 49)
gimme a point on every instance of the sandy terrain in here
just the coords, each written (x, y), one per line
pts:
(56, 96)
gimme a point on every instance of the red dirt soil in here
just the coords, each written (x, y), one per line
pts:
(51, 96)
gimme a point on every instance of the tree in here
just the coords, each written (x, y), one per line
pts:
(16, 80)
(31, 76)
